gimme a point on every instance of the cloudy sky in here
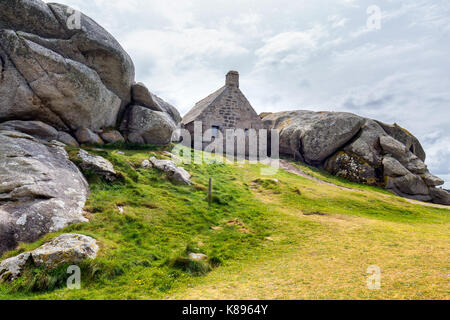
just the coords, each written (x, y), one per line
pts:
(303, 54)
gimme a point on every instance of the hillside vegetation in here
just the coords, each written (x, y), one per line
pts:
(266, 237)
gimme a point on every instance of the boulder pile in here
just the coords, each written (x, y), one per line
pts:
(359, 149)
(61, 68)
(64, 80)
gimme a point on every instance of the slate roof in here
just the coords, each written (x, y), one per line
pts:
(200, 106)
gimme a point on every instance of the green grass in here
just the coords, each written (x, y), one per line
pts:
(258, 233)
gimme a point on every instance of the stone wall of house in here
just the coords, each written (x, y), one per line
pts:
(230, 111)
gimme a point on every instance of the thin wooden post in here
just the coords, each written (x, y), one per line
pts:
(210, 191)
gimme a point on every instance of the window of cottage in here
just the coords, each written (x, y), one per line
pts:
(215, 131)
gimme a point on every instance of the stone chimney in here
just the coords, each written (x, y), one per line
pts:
(232, 79)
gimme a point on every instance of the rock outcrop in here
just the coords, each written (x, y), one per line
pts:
(57, 36)
(60, 67)
(62, 78)
(67, 248)
(41, 191)
(359, 149)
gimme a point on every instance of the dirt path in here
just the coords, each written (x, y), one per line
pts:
(289, 167)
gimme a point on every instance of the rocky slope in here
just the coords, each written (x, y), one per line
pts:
(359, 149)
(63, 83)
(67, 82)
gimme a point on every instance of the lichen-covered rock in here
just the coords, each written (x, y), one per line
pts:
(67, 248)
(315, 135)
(70, 90)
(60, 67)
(41, 191)
(86, 136)
(146, 126)
(30, 16)
(11, 269)
(99, 50)
(63, 74)
(353, 168)
(97, 164)
(175, 173)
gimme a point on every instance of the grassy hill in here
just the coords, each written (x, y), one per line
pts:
(267, 237)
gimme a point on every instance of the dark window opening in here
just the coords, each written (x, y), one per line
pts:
(215, 131)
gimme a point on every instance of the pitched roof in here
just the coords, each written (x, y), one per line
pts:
(202, 105)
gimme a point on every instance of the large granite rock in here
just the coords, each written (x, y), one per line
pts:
(60, 67)
(359, 149)
(352, 167)
(146, 126)
(71, 90)
(41, 191)
(67, 248)
(61, 73)
(315, 135)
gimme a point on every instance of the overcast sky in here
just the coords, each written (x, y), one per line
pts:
(317, 55)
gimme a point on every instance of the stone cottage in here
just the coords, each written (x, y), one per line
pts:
(227, 108)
